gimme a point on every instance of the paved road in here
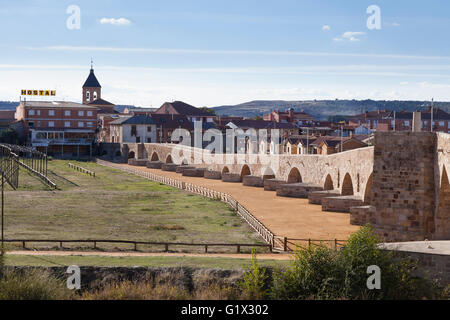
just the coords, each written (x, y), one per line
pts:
(289, 217)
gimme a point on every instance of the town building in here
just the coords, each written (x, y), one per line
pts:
(300, 118)
(59, 128)
(139, 111)
(384, 120)
(184, 109)
(134, 129)
(330, 144)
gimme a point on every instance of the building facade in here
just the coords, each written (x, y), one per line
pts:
(58, 127)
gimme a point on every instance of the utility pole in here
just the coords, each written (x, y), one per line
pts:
(3, 209)
(342, 135)
(432, 110)
(307, 140)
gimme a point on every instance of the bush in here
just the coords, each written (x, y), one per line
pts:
(323, 273)
(32, 285)
(254, 281)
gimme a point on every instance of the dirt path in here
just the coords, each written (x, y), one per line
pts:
(262, 256)
(289, 217)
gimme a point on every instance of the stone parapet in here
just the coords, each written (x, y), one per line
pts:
(252, 181)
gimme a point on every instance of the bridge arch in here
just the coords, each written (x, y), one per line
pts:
(443, 213)
(245, 171)
(294, 176)
(155, 156)
(347, 186)
(131, 155)
(267, 173)
(169, 159)
(225, 170)
(328, 185)
(368, 191)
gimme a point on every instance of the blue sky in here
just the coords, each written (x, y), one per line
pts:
(211, 53)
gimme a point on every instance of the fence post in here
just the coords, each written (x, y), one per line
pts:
(309, 242)
(206, 248)
(335, 244)
(238, 249)
(167, 247)
(95, 244)
(23, 244)
(285, 244)
(135, 246)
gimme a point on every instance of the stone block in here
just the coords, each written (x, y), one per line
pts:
(181, 168)
(252, 181)
(341, 204)
(317, 196)
(154, 164)
(272, 184)
(196, 172)
(169, 167)
(297, 190)
(231, 177)
(215, 175)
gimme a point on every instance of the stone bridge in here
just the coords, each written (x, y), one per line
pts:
(401, 186)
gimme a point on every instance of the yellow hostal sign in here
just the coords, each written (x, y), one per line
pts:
(37, 92)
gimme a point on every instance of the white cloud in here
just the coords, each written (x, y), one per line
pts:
(115, 22)
(350, 36)
(326, 28)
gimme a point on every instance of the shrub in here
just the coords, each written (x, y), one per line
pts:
(254, 280)
(323, 273)
(32, 285)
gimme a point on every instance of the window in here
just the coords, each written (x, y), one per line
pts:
(31, 112)
(80, 124)
(38, 112)
(67, 113)
(81, 113)
(133, 130)
(138, 139)
(88, 96)
(67, 124)
(89, 113)
(149, 140)
(51, 112)
(31, 124)
(393, 123)
(38, 123)
(441, 123)
(95, 95)
(90, 124)
(51, 124)
(149, 128)
(406, 123)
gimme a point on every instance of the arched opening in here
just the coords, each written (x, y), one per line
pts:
(368, 191)
(294, 176)
(268, 174)
(443, 216)
(328, 183)
(131, 155)
(184, 162)
(245, 171)
(225, 170)
(347, 186)
(169, 159)
(155, 157)
(118, 154)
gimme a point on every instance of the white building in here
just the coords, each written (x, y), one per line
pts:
(135, 129)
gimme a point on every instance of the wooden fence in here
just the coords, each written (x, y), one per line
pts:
(254, 223)
(136, 243)
(81, 169)
(290, 244)
(39, 174)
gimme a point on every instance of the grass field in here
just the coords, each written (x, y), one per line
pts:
(116, 205)
(161, 261)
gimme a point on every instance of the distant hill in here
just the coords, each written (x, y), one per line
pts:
(322, 109)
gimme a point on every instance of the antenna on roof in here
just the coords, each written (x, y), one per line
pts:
(432, 107)
(92, 64)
